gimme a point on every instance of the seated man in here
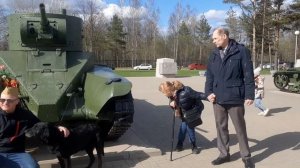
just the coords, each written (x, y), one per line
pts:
(14, 122)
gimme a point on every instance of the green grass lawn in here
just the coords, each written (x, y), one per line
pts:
(151, 73)
(265, 72)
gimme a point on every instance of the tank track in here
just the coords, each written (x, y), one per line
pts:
(123, 117)
(288, 91)
(288, 81)
(117, 130)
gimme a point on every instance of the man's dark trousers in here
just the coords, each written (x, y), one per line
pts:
(236, 113)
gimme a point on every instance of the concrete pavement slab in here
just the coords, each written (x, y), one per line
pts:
(274, 140)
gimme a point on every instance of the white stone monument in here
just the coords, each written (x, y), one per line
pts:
(166, 68)
(297, 64)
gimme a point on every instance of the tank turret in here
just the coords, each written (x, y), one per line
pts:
(58, 81)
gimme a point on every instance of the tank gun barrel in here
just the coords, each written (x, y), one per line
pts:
(44, 20)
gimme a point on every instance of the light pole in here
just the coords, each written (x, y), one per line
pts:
(296, 46)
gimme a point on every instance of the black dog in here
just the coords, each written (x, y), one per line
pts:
(84, 136)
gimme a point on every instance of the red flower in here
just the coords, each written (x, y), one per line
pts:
(14, 83)
(6, 80)
(2, 67)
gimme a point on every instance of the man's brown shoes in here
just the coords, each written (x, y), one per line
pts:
(221, 160)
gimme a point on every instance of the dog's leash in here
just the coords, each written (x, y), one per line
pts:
(16, 133)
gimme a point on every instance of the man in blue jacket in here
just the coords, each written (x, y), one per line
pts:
(229, 85)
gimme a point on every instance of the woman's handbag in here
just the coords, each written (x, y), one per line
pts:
(192, 117)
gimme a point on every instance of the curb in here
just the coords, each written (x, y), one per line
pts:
(137, 154)
(81, 158)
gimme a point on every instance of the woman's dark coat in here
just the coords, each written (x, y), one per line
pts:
(187, 99)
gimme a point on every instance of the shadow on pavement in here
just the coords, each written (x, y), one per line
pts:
(278, 110)
(153, 124)
(232, 141)
(276, 143)
(297, 147)
(273, 144)
(80, 161)
(152, 128)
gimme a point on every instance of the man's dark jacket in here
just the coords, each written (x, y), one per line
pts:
(12, 129)
(230, 79)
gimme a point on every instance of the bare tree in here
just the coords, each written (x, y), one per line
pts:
(3, 29)
(134, 30)
(55, 6)
(232, 22)
(278, 16)
(250, 11)
(174, 23)
(151, 31)
(190, 18)
(202, 34)
(263, 33)
(89, 10)
(184, 41)
(25, 6)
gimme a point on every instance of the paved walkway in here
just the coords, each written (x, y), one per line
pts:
(274, 140)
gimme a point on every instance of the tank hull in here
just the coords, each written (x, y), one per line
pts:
(81, 91)
(58, 81)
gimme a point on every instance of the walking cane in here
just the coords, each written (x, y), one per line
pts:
(172, 141)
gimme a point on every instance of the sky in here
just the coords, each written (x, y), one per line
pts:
(214, 10)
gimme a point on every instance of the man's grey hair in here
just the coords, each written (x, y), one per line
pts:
(222, 30)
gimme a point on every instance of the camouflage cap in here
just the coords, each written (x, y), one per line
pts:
(11, 91)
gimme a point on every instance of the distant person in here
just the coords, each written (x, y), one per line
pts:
(285, 66)
(229, 85)
(259, 92)
(14, 121)
(183, 98)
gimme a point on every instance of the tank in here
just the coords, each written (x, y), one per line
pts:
(288, 80)
(58, 81)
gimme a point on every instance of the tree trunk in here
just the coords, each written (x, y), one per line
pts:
(270, 49)
(200, 54)
(263, 35)
(254, 35)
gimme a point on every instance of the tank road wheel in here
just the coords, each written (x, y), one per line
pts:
(281, 81)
